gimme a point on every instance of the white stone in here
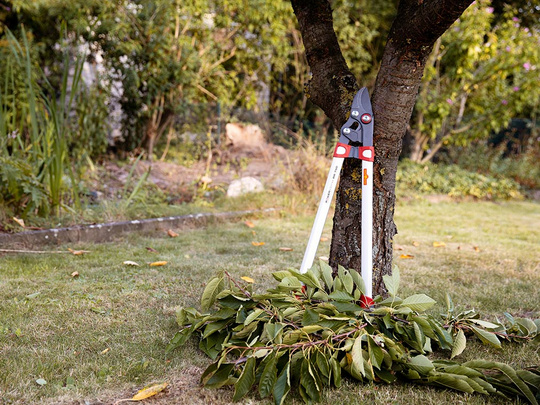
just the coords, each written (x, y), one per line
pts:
(243, 186)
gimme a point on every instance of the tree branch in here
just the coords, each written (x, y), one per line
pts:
(332, 85)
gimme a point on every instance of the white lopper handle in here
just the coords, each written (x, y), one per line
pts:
(322, 213)
(367, 226)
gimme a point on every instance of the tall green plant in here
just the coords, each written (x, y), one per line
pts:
(34, 126)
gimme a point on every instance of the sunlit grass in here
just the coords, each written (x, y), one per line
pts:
(102, 335)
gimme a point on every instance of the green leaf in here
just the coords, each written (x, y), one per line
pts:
(216, 326)
(320, 295)
(358, 280)
(454, 383)
(426, 327)
(392, 282)
(346, 279)
(460, 342)
(347, 307)
(341, 296)
(418, 302)
(246, 380)
(486, 337)
(268, 377)
(530, 378)
(336, 371)
(253, 315)
(421, 364)
(419, 336)
(308, 381)
(508, 372)
(221, 376)
(273, 329)
(326, 272)
(179, 339)
(323, 366)
(357, 365)
(484, 324)
(210, 292)
(310, 317)
(528, 324)
(308, 278)
(385, 376)
(375, 353)
(290, 283)
(282, 385)
(280, 275)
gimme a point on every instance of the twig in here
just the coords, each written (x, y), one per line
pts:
(298, 345)
(33, 251)
(246, 293)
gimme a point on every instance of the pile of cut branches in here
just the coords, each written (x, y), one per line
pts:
(310, 330)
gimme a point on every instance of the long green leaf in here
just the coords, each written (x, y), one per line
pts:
(460, 342)
(357, 365)
(448, 381)
(326, 272)
(418, 302)
(268, 377)
(486, 337)
(211, 291)
(246, 380)
(282, 385)
(508, 372)
(392, 282)
(336, 372)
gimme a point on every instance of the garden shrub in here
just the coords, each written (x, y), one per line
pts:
(453, 180)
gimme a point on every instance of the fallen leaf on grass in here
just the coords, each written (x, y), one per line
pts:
(41, 381)
(151, 250)
(398, 247)
(160, 263)
(131, 263)
(439, 244)
(286, 249)
(19, 221)
(416, 244)
(172, 233)
(105, 351)
(476, 248)
(324, 239)
(75, 274)
(406, 257)
(145, 393)
(257, 243)
(249, 224)
(247, 279)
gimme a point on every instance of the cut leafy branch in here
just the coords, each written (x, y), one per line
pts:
(311, 329)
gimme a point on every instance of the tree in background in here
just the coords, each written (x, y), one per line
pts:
(172, 56)
(478, 77)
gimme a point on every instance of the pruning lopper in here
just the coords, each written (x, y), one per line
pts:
(355, 141)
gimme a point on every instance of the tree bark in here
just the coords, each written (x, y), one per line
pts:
(417, 26)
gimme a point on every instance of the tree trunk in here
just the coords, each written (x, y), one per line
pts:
(417, 26)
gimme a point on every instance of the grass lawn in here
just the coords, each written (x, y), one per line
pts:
(99, 337)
